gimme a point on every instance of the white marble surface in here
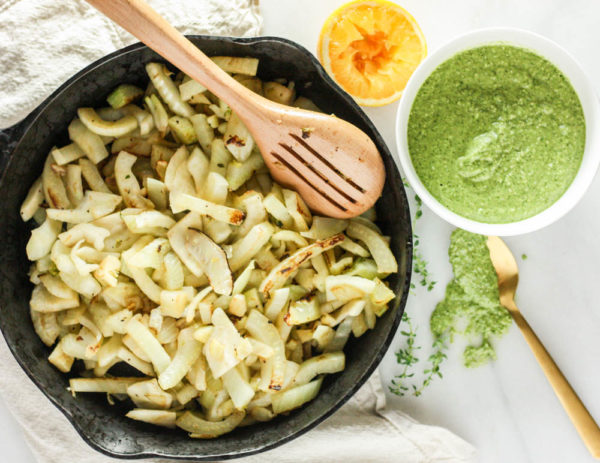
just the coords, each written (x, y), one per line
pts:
(507, 409)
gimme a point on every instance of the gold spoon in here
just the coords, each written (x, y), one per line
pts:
(508, 278)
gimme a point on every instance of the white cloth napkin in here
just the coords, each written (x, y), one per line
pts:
(42, 43)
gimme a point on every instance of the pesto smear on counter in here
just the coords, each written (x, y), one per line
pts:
(471, 307)
(472, 302)
(496, 133)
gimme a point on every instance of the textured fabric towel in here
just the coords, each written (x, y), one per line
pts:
(44, 42)
(74, 35)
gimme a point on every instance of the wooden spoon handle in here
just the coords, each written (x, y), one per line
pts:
(580, 417)
(138, 18)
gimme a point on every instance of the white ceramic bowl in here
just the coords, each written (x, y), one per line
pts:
(580, 82)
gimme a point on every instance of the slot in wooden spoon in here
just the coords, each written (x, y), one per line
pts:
(334, 166)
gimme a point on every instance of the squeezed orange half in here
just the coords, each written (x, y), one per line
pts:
(371, 48)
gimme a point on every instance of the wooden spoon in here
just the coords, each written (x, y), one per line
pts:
(334, 166)
(508, 278)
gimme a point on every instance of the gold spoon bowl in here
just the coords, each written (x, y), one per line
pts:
(508, 279)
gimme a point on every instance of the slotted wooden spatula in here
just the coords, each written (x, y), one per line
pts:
(334, 166)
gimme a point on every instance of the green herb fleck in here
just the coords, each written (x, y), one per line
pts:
(419, 212)
(275, 221)
(53, 270)
(524, 256)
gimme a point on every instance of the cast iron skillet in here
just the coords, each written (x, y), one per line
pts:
(23, 149)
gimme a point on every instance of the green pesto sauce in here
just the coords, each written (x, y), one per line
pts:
(496, 133)
(472, 303)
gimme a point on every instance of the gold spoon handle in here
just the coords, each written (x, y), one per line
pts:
(580, 417)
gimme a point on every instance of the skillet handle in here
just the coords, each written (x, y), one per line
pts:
(9, 138)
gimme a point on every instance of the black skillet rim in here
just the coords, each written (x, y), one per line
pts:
(11, 138)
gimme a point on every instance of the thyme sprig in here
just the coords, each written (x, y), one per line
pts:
(435, 360)
(419, 263)
(405, 357)
(403, 383)
(420, 267)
